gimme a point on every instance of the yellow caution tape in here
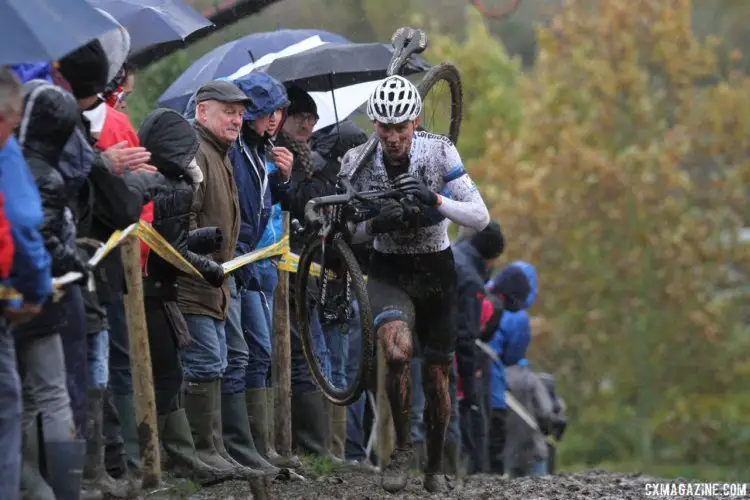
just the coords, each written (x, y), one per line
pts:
(163, 249)
(279, 248)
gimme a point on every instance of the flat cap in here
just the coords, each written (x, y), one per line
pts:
(222, 91)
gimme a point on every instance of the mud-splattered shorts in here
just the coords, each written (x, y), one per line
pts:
(421, 290)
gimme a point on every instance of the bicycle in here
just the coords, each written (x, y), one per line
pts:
(340, 276)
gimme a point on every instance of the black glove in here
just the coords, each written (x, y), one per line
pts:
(148, 184)
(407, 184)
(214, 274)
(390, 218)
(205, 240)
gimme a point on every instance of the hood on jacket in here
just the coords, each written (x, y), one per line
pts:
(50, 115)
(86, 69)
(530, 272)
(334, 141)
(266, 94)
(116, 44)
(171, 140)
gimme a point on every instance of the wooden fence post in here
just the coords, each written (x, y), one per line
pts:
(140, 364)
(281, 368)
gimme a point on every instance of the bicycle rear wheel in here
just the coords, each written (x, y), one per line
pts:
(346, 276)
(449, 74)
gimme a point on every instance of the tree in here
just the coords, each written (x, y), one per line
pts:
(626, 186)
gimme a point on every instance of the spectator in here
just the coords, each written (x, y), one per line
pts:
(474, 257)
(50, 116)
(173, 144)
(219, 110)
(516, 285)
(525, 447)
(557, 422)
(31, 274)
(302, 115)
(110, 189)
(261, 171)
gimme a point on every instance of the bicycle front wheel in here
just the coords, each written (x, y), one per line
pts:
(436, 102)
(328, 320)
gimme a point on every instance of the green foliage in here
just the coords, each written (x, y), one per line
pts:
(151, 82)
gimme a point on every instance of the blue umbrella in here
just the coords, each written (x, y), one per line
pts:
(154, 22)
(47, 30)
(228, 58)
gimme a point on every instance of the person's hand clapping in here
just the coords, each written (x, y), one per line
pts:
(125, 158)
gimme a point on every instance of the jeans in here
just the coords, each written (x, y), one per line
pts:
(355, 428)
(205, 359)
(337, 352)
(10, 417)
(417, 404)
(301, 379)
(98, 359)
(41, 363)
(257, 324)
(236, 346)
(76, 347)
(120, 380)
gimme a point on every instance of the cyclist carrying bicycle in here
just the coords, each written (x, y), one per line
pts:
(412, 280)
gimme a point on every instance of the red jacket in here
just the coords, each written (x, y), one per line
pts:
(6, 243)
(117, 128)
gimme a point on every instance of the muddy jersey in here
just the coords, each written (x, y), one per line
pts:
(434, 160)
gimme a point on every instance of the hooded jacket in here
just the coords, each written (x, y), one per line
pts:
(173, 143)
(48, 120)
(512, 337)
(470, 271)
(31, 272)
(257, 188)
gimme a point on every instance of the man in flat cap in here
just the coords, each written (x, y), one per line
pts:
(218, 120)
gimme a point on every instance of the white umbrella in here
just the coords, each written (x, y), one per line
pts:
(306, 44)
(341, 102)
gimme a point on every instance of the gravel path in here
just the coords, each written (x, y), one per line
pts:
(361, 486)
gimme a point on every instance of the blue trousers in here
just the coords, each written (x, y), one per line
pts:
(205, 359)
(233, 380)
(120, 379)
(257, 324)
(76, 348)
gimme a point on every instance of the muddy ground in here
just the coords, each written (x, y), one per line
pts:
(363, 486)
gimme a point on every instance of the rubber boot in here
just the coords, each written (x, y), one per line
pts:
(238, 440)
(310, 424)
(217, 435)
(94, 471)
(33, 485)
(338, 431)
(260, 414)
(200, 399)
(64, 464)
(125, 407)
(450, 457)
(182, 459)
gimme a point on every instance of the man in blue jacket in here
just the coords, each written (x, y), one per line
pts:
(30, 275)
(510, 342)
(257, 190)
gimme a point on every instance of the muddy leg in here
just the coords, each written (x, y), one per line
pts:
(436, 415)
(397, 346)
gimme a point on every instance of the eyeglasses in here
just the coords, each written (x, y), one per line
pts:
(305, 117)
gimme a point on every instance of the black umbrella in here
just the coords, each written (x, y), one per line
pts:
(336, 65)
(47, 30)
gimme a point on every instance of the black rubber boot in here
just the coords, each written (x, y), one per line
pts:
(450, 457)
(33, 485)
(217, 434)
(200, 400)
(310, 425)
(64, 464)
(182, 459)
(125, 407)
(260, 411)
(418, 458)
(94, 472)
(238, 440)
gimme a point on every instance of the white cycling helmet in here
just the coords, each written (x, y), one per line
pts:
(394, 100)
